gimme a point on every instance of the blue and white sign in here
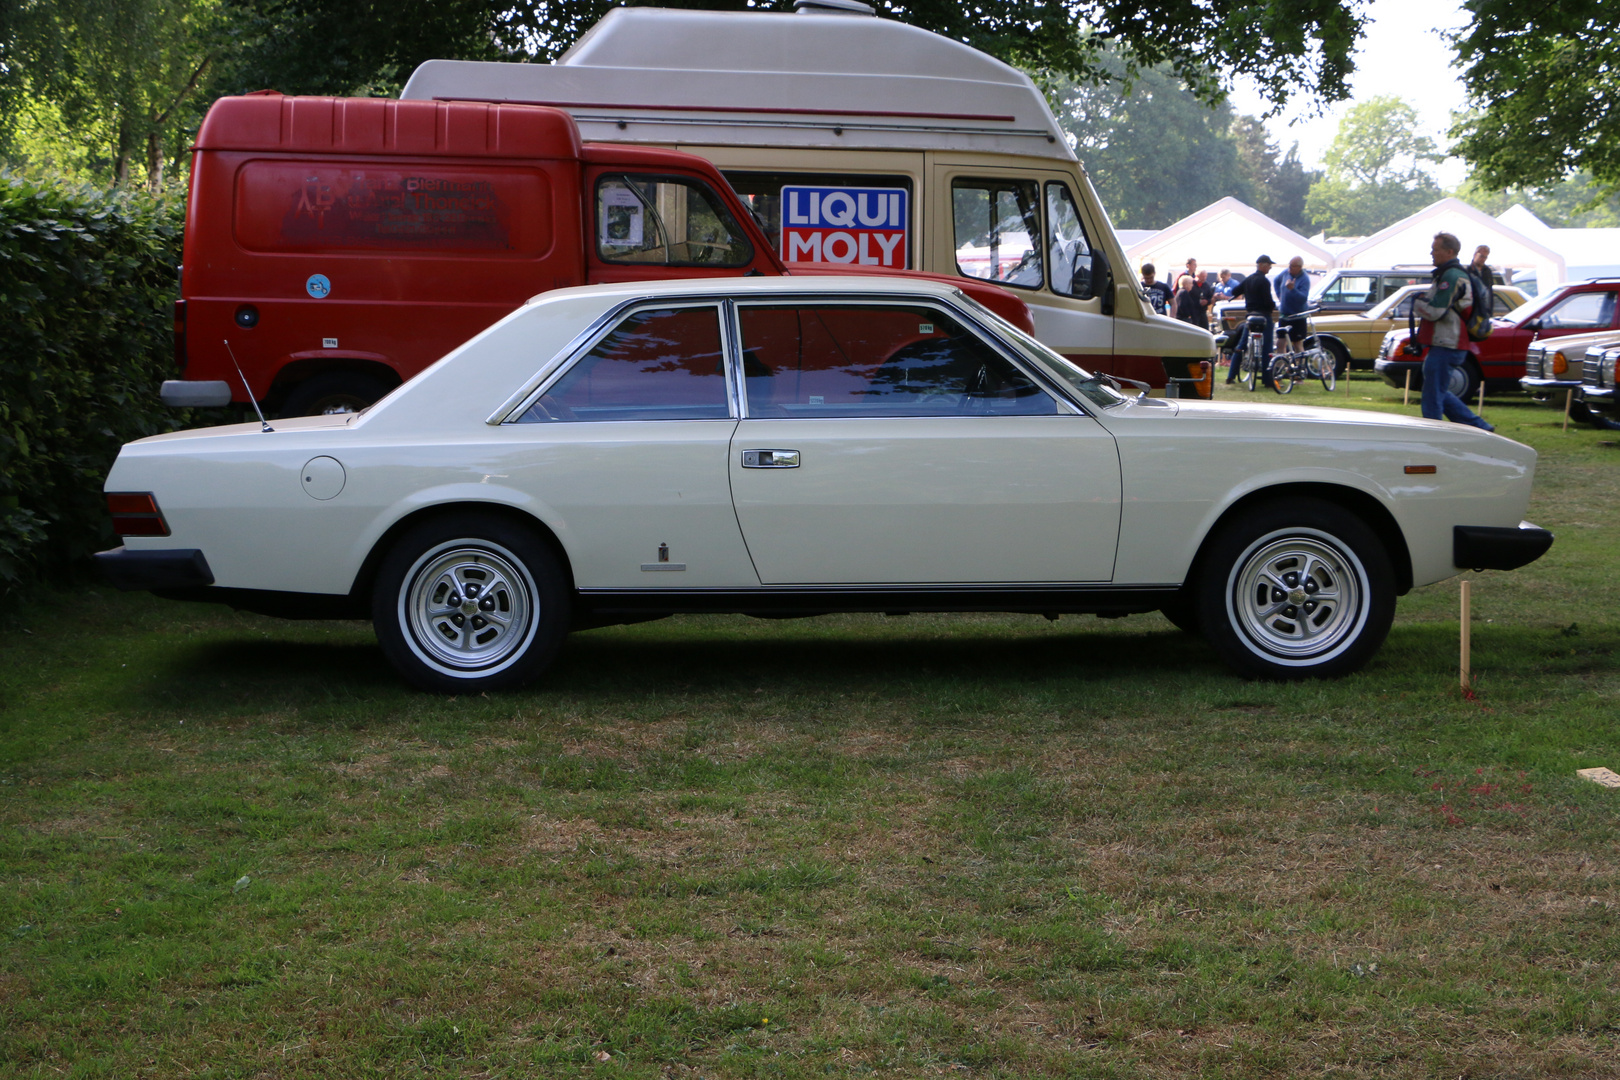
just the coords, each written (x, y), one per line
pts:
(317, 286)
(860, 225)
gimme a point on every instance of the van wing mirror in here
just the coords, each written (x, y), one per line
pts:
(1093, 278)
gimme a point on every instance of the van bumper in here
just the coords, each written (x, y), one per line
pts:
(133, 571)
(1488, 547)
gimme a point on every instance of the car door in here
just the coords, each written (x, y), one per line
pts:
(889, 443)
(625, 452)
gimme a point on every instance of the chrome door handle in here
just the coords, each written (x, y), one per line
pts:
(770, 459)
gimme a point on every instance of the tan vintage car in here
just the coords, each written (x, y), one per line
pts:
(1354, 339)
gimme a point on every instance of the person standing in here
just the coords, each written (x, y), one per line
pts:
(1206, 292)
(1223, 288)
(1158, 293)
(1293, 287)
(1190, 303)
(1442, 331)
(1257, 300)
(1480, 265)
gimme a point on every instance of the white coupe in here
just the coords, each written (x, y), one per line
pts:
(795, 446)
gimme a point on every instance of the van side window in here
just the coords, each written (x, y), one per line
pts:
(998, 228)
(1070, 262)
(876, 360)
(802, 237)
(666, 221)
(663, 364)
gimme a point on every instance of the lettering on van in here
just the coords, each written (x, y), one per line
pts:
(861, 225)
(338, 208)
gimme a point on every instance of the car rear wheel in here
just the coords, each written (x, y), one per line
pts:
(470, 603)
(1296, 589)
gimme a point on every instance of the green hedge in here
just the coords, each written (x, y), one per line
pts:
(87, 284)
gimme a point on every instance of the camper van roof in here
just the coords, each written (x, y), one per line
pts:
(777, 79)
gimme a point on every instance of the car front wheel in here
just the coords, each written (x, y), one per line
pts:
(1296, 589)
(470, 603)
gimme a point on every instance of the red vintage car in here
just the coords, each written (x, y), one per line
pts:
(1580, 307)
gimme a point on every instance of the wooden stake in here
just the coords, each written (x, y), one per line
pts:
(1406, 395)
(1481, 409)
(1466, 671)
(1569, 400)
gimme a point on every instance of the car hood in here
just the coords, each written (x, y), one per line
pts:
(1267, 412)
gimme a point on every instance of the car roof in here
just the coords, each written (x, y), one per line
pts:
(763, 287)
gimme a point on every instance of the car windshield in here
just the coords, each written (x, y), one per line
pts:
(1097, 389)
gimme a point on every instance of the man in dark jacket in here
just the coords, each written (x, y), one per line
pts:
(1443, 331)
(1257, 300)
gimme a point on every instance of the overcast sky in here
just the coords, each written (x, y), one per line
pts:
(1402, 55)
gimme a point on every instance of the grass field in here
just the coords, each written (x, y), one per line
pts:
(979, 845)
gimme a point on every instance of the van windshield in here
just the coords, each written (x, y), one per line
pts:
(666, 221)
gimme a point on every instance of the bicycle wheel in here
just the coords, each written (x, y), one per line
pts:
(1284, 373)
(1250, 367)
(1322, 364)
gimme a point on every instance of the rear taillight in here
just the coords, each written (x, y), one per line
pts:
(136, 514)
(180, 335)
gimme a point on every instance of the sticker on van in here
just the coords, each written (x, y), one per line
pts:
(861, 225)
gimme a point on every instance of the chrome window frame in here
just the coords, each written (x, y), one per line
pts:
(514, 407)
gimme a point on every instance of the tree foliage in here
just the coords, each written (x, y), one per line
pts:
(1576, 203)
(1543, 79)
(114, 83)
(1278, 186)
(1154, 151)
(1375, 170)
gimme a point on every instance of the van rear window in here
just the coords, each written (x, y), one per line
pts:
(300, 206)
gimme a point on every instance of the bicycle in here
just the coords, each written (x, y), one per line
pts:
(1311, 360)
(1254, 344)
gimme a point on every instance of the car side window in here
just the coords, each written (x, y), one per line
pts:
(659, 364)
(1583, 311)
(1350, 290)
(666, 221)
(997, 229)
(876, 360)
(1070, 262)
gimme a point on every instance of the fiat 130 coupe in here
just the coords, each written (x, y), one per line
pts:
(799, 446)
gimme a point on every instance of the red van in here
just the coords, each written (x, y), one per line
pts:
(335, 247)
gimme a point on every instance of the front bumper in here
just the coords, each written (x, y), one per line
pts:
(1599, 399)
(1489, 547)
(1542, 386)
(1394, 371)
(175, 568)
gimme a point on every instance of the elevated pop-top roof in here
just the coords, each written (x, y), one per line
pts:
(323, 125)
(769, 79)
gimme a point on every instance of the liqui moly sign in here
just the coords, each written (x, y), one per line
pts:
(865, 226)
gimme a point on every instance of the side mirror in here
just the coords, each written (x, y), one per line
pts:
(1090, 269)
(1534, 325)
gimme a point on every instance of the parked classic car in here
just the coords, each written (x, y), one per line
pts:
(1354, 339)
(1554, 370)
(1340, 292)
(1580, 307)
(1598, 382)
(784, 446)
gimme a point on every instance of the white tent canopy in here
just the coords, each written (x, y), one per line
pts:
(1406, 243)
(1226, 234)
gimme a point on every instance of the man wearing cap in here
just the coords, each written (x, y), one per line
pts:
(1257, 300)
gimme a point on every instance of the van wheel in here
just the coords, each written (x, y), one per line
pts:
(333, 392)
(470, 603)
(1296, 589)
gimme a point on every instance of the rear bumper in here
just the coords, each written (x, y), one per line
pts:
(1488, 547)
(199, 394)
(176, 568)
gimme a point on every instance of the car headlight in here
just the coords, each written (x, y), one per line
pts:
(1606, 368)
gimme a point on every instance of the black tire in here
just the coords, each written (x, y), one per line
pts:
(333, 392)
(1581, 413)
(1183, 612)
(1341, 357)
(500, 580)
(1259, 618)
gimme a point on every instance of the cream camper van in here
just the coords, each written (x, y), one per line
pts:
(864, 140)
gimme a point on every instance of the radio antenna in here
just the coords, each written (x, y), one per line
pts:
(264, 425)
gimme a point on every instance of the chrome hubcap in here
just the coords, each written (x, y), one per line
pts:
(1297, 597)
(469, 608)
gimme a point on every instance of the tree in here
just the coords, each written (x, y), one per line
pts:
(123, 76)
(1576, 203)
(1156, 153)
(1282, 44)
(1543, 79)
(1375, 173)
(1278, 187)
